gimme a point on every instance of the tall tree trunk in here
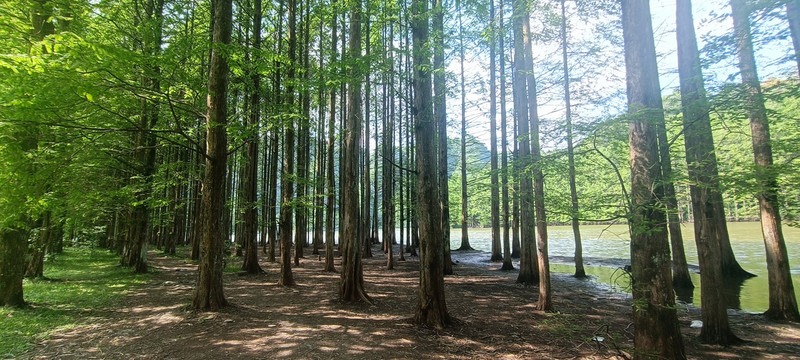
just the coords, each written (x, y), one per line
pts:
(464, 201)
(250, 181)
(431, 305)
(782, 301)
(288, 171)
(508, 264)
(495, 188)
(387, 194)
(655, 320)
(351, 283)
(529, 272)
(702, 166)
(303, 153)
(365, 222)
(135, 254)
(440, 118)
(545, 302)
(580, 272)
(209, 294)
(330, 185)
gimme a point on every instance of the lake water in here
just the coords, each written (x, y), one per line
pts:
(601, 242)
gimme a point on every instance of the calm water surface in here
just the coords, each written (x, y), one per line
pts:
(613, 242)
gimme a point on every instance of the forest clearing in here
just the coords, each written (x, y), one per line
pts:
(495, 320)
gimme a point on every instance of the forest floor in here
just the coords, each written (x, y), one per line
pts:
(495, 319)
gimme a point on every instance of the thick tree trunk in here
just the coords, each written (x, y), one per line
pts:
(545, 302)
(782, 301)
(656, 328)
(580, 272)
(12, 266)
(209, 294)
(351, 282)
(702, 165)
(431, 305)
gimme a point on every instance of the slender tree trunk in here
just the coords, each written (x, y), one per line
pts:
(250, 181)
(209, 294)
(330, 204)
(464, 201)
(495, 187)
(288, 172)
(508, 264)
(580, 272)
(303, 145)
(387, 194)
(702, 165)
(365, 222)
(351, 283)
(655, 320)
(440, 117)
(431, 305)
(782, 301)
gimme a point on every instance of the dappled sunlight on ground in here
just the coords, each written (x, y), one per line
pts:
(495, 318)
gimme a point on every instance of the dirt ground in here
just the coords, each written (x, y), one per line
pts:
(495, 319)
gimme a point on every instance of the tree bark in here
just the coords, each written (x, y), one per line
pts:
(495, 187)
(656, 328)
(12, 266)
(529, 272)
(782, 301)
(508, 264)
(464, 201)
(330, 201)
(209, 295)
(702, 165)
(287, 181)
(580, 272)
(440, 117)
(431, 305)
(351, 282)
(545, 302)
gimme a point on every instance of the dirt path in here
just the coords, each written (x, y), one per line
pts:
(495, 316)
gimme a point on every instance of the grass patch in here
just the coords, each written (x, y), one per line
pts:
(76, 283)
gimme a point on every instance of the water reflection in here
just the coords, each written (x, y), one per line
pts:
(607, 249)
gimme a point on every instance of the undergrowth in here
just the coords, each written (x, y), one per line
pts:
(77, 283)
